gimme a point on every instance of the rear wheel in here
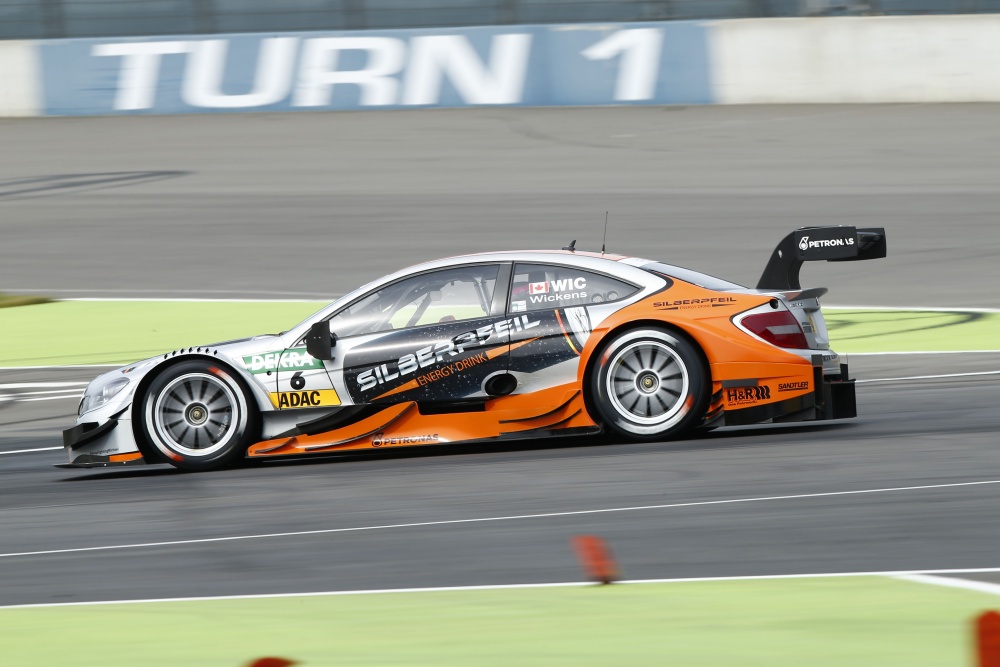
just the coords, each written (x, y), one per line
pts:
(649, 384)
(199, 416)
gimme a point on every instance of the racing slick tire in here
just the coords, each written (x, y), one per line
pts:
(649, 384)
(198, 416)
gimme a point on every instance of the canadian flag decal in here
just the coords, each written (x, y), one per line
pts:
(538, 288)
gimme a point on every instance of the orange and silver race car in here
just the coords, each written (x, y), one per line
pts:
(492, 347)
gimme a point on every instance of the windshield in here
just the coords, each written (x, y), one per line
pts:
(447, 295)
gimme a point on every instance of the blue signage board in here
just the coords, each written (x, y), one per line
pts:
(555, 65)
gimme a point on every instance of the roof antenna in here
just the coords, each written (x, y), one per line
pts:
(604, 241)
(571, 247)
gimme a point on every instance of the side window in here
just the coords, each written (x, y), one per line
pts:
(540, 286)
(449, 295)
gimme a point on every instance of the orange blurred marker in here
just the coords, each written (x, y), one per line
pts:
(271, 662)
(596, 559)
(988, 639)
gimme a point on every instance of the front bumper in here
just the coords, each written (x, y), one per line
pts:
(110, 442)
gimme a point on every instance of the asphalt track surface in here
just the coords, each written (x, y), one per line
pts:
(314, 204)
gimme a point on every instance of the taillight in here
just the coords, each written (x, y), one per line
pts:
(779, 328)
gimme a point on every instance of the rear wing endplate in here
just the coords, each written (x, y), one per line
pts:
(810, 244)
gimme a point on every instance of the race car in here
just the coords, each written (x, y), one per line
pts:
(492, 347)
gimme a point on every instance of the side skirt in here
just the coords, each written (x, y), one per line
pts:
(555, 411)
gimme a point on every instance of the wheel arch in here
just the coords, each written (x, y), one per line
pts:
(624, 327)
(148, 451)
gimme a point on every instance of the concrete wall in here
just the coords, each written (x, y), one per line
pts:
(590, 64)
(876, 59)
(753, 61)
(20, 79)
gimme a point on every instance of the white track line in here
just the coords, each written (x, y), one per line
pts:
(319, 300)
(70, 390)
(886, 354)
(50, 398)
(17, 397)
(916, 309)
(931, 377)
(843, 354)
(333, 297)
(58, 368)
(28, 451)
(41, 385)
(898, 574)
(47, 392)
(967, 584)
(74, 290)
(517, 517)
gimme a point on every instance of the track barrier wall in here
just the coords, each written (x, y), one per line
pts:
(752, 61)
(20, 79)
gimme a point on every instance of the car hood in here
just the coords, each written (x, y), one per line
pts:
(237, 353)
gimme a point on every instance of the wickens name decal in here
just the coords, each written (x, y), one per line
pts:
(439, 352)
(553, 291)
(806, 244)
(747, 395)
(296, 359)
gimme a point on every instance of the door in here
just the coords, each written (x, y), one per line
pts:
(432, 337)
(556, 299)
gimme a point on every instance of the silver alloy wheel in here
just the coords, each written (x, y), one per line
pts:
(196, 414)
(647, 383)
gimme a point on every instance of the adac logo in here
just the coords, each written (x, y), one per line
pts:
(804, 244)
(377, 439)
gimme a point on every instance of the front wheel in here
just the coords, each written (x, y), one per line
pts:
(649, 384)
(198, 416)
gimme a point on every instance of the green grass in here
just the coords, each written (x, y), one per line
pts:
(110, 332)
(830, 622)
(106, 332)
(910, 331)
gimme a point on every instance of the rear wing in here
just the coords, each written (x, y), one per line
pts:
(809, 244)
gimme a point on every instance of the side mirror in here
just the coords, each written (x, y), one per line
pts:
(320, 341)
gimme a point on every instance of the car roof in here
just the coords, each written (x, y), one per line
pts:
(584, 260)
(522, 256)
(568, 253)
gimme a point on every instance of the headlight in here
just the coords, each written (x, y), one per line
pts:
(98, 396)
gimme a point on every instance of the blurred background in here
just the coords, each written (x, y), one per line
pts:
(160, 156)
(483, 125)
(36, 19)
